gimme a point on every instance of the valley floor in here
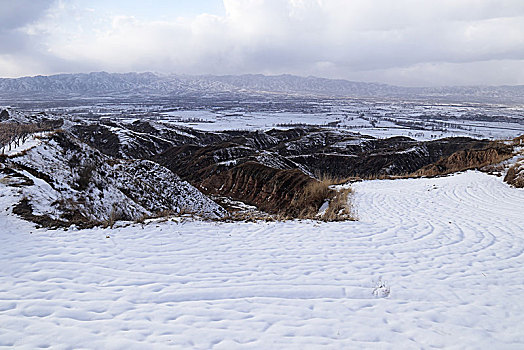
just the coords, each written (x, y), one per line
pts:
(450, 250)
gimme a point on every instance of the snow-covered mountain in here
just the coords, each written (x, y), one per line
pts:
(102, 83)
(62, 180)
(78, 83)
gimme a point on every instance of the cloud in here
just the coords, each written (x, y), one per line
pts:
(408, 42)
(14, 15)
(23, 51)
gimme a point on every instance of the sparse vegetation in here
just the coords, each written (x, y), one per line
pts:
(319, 192)
(85, 172)
(12, 135)
(515, 175)
(114, 215)
(312, 197)
(340, 207)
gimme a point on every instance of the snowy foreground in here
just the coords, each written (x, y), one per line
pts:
(450, 251)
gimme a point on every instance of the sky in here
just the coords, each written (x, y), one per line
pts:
(401, 42)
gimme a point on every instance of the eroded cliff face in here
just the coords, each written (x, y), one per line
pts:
(468, 159)
(275, 191)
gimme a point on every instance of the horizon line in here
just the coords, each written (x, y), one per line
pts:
(158, 74)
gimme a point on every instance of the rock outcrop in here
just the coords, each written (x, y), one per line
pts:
(4, 115)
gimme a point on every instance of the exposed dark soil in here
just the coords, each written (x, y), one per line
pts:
(25, 211)
(271, 190)
(467, 159)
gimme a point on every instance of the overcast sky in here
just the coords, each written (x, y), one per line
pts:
(403, 42)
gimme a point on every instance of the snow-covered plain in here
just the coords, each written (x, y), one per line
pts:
(374, 124)
(378, 117)
(450, 251)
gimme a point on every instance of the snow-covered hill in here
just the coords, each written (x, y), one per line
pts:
(61, 180)
(432, 263)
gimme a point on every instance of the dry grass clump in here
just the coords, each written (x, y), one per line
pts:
(316, 193)
(251, 216)
(306, 203)
(381, 177)
(327, 179)
(515, 175)
(318, 190)
(332, 180)
(111, 219)
(340, 208)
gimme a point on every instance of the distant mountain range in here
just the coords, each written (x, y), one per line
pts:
(102, 83)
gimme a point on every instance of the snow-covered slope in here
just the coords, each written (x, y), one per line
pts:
(432, 263)
(68, 181)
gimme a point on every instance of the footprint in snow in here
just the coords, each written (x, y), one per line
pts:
(381, 289)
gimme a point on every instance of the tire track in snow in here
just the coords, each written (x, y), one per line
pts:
(466, 217)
